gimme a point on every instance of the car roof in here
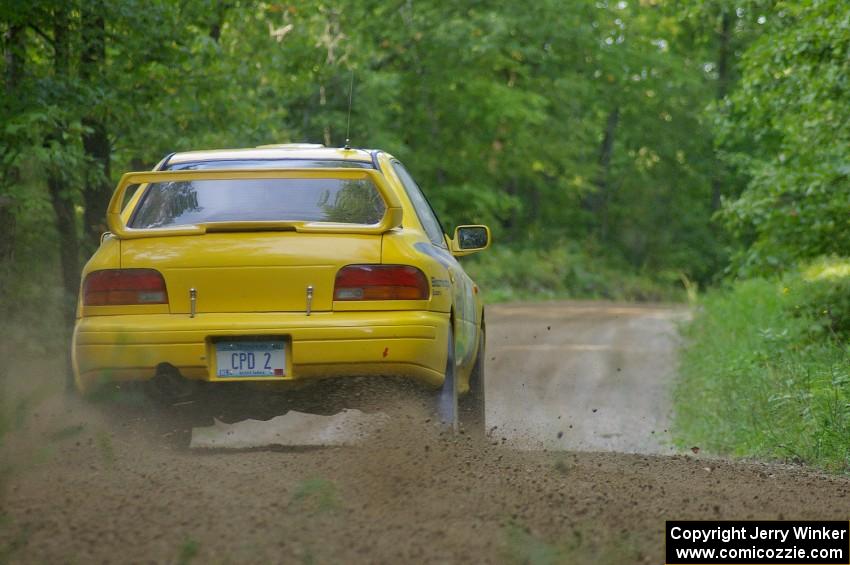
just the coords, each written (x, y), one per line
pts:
(305, 151)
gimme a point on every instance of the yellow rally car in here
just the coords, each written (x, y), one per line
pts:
(281, 263)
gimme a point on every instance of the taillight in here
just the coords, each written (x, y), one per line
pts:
(112, 287)
(381, 282)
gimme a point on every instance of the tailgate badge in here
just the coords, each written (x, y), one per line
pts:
(193, 302)
(309, 299)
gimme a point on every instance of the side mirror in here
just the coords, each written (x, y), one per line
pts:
(470, 239)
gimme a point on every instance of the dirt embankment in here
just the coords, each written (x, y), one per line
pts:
(116, 482)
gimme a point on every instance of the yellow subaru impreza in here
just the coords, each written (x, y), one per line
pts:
(280, 264)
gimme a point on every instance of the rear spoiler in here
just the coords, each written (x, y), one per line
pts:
(118, 226)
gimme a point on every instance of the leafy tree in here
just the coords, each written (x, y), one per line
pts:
(787, 130)
(579, 124)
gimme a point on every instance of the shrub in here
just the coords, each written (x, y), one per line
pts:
(565, 271)
(820, 292)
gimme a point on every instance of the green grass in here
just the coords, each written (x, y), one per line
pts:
(188, 551)
(521, 547)
(316, 495)
(765, 371)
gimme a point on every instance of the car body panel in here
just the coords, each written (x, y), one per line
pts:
(463, 293)
(125, 347)
(251, 271)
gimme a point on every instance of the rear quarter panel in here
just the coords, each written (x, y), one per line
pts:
(458, 293)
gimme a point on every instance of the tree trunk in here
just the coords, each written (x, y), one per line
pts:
(7, 229)
(69, 248)
(217, 22)
(597, 202)
(723, 53)
(98, 186)
(57, 184)
(13, 54)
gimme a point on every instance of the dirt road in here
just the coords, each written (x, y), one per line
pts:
(583, 376)
(573, 471)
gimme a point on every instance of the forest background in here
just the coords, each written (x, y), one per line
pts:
(626, 150)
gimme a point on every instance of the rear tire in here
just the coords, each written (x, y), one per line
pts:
(168, 386)
(70, 382)
(447, 408)
(472, 405)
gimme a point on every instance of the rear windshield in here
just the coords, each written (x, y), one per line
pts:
(183, 203)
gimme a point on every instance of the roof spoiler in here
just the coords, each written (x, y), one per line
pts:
(118, 225)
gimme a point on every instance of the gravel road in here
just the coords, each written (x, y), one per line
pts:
(583, 376)
(579, 467)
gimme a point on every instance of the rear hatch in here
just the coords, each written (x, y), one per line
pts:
(252, 240)
(250, 272)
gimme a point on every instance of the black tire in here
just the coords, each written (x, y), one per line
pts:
(70, 384)
(472, 404)
(447, 407)
(168, 386)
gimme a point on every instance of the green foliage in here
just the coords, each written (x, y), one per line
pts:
(760, 377)
(583, 121)
(551, 121)
(28, 281)
(821, 293)
(565, 270)
(785, 129)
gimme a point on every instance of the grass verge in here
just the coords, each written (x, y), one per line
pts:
(765, 371)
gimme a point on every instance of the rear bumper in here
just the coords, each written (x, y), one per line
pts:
(326, 344)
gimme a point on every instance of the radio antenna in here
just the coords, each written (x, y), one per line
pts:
(350, 98)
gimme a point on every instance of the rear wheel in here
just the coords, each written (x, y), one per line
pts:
(472, 405)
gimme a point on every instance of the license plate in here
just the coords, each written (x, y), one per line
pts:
(250, 358)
